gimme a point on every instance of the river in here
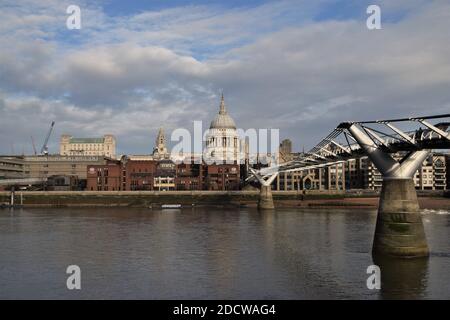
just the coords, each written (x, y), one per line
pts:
(211, 253)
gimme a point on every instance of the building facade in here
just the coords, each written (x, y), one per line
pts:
(222, 141)
(360, 173)
(432, 174)
(11, 167)
(164, 179)
(223, 177)
(105, 177)
(190, 176)
(138, 173)
(285, 151)
(447, 166)
(47, 166)
(105, 146)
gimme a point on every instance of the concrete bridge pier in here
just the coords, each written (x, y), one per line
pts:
(399, 230)
(265, 201)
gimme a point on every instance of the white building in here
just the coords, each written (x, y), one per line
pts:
(432, 174)
(105, 146)
(222, 141)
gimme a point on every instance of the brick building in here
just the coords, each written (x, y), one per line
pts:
(222, 177)
(190, 176)
(106, 177)
(164, 179)
(138, 174)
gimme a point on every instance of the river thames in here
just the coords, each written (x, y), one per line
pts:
(211, 253)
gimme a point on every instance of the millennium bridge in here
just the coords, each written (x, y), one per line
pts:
(399, 230)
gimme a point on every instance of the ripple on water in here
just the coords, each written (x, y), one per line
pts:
(433, 211)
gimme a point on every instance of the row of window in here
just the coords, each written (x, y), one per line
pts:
(226, 142)
(89, 146)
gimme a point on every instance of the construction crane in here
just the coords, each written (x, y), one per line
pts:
(34, 145)
(44, 149)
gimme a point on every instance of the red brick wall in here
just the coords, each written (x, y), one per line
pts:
(140, 174)
(104, 177)
(223, 177)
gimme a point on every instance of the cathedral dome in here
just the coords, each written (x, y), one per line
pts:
(222, 120)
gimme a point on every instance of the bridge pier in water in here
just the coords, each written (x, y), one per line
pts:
(265, 201)
(399, 229)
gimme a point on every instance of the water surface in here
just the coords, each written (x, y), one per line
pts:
(211, 253)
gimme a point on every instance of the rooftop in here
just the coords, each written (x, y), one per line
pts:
(223, 119)
(87, 140)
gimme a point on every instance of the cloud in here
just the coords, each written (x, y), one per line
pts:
(116, 73)
(278, 65)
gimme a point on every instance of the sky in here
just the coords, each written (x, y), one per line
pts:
(300, 66)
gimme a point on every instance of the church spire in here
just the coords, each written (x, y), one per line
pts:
(160, 143)
(160, 139)
(222, 106)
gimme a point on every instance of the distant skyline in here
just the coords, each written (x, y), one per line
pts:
(300, 66)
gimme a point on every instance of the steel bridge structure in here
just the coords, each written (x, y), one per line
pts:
(399, 230)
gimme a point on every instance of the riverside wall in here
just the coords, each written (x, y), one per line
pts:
(150, 198)
(189, 198)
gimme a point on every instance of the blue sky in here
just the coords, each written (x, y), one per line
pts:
(301, 66)
(331, 9)
(120, 7)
